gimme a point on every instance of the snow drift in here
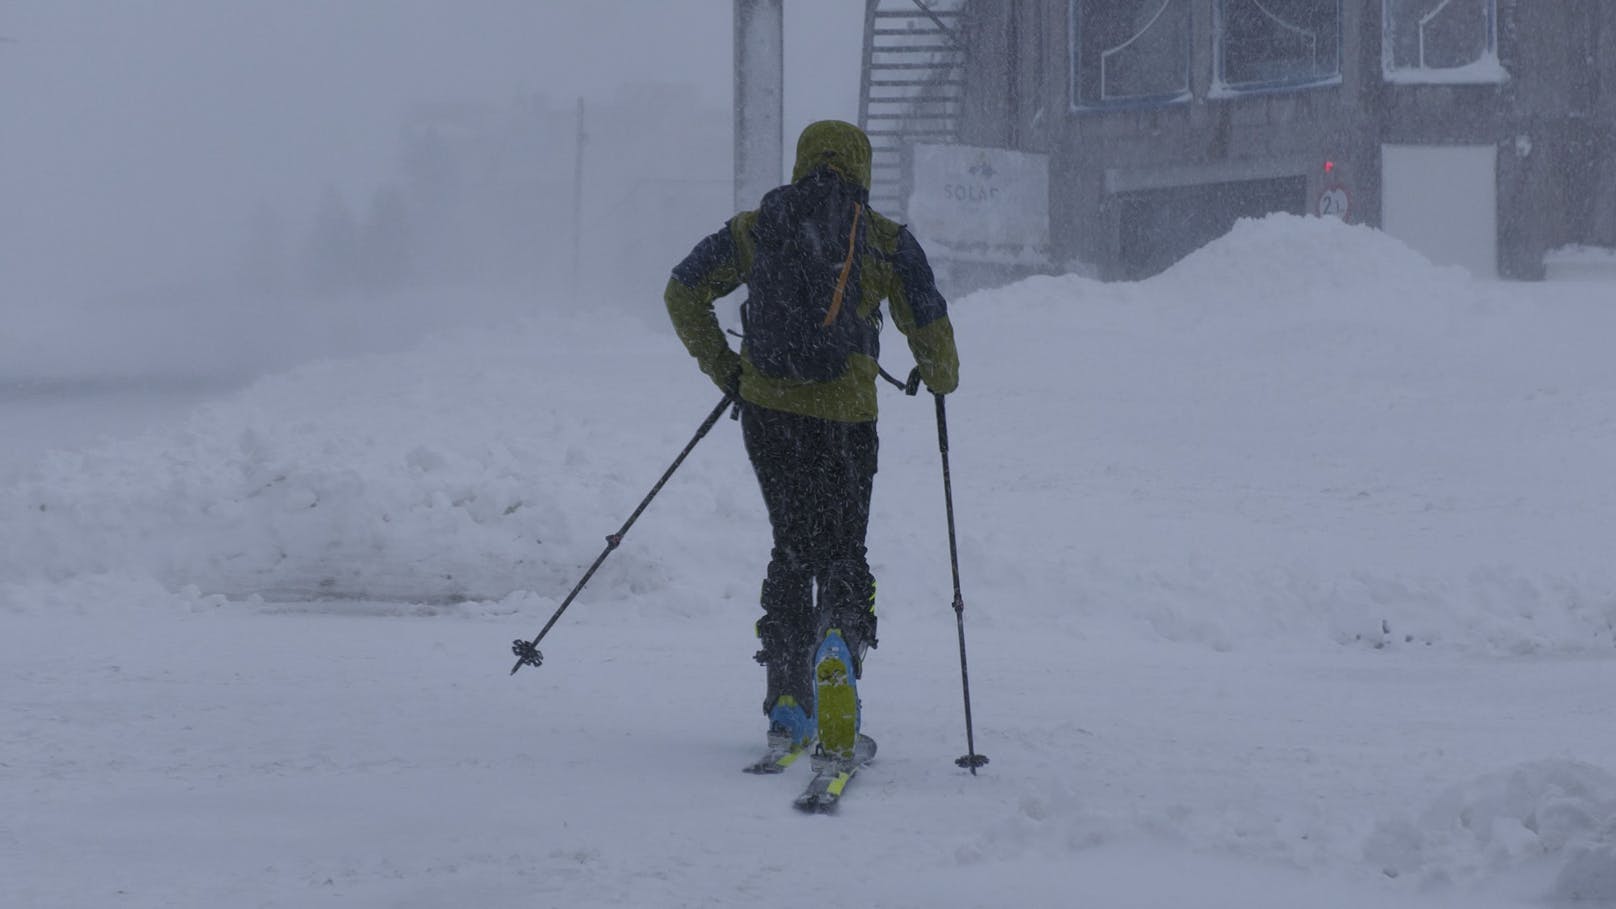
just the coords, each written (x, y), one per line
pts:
(1303, 430)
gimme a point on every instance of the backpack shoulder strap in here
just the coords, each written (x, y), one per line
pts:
(847, 266)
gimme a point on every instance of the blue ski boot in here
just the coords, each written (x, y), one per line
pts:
(790, 726)
(836, 697)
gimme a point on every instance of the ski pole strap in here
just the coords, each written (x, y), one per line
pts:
(909, 387)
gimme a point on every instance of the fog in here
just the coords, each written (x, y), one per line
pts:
(200, 187)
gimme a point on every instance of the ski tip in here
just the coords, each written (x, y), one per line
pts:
(775, 761)
(817, 802)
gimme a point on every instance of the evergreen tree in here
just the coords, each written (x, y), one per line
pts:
(264, 268)
(386, 242)
(331, 263)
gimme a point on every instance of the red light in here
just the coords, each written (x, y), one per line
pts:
(1329, 167)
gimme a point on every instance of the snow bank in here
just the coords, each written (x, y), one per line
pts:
(1558, 813)
(455, 471)
(1302, 432)
(1303, 427)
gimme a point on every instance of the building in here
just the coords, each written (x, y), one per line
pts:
(1482, 132)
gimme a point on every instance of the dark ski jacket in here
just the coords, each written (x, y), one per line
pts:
(894, 268)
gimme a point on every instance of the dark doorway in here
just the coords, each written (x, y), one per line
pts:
(1161, 226)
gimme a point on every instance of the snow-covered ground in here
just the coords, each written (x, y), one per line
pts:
(1286, 574)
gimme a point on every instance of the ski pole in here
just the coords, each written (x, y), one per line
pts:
(527, 652)
(970, 760)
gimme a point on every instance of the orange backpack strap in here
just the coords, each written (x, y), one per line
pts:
(847, 268)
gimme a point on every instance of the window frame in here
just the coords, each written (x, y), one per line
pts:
(1223, 88)
(1488, 69)
(1080, 104)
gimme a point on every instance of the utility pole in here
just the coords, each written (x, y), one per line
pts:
(759, 98)
(578, 204)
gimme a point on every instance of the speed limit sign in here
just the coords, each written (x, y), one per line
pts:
(1335, 203)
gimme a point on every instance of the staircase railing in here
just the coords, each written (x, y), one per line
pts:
(912, 87)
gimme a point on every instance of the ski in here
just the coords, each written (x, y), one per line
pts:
(825, 789)
(831, 777)
(776, 760)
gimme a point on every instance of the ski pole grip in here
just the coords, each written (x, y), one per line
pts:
(912, 386)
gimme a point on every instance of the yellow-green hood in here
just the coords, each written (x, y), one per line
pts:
(837, 144)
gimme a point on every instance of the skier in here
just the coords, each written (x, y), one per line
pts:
(817, 263)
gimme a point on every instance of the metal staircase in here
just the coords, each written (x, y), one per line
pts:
(913, 86)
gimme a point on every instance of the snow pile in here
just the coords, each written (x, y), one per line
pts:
(1557, 812)
(1301, 431)
(452, 472)
(1301, 427)
(1284, 260)
(279, 488)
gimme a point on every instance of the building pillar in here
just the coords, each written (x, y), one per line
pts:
(759, 98)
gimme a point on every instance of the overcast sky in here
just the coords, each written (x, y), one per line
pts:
(135, 135)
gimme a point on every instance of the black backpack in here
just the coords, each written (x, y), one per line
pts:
(800, 319)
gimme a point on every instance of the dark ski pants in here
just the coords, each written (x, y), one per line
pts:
(816, 476)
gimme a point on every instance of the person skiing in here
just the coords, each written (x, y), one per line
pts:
(817, 263)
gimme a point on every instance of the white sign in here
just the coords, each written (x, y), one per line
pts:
(1335, 203)
(981, 204)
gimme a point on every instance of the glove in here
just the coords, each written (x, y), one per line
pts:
(941, 380)
(726, 374)
(912, 386)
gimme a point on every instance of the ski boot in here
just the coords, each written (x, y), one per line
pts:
(790, 726)
(789, 700)
(836, 699)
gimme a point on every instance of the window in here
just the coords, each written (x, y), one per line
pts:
(1278, 43)
(1126, 51)
(1441, 41)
